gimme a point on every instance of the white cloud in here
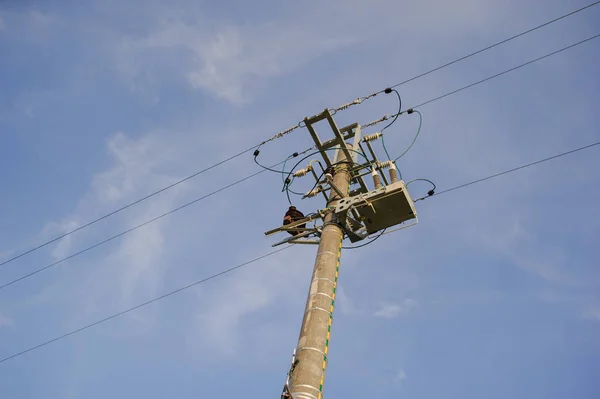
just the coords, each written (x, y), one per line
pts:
(42, 20)
(147, 262)
(5, 321)
(138, 170)
(401, 376)
(63, 247)
(227, 61)
(391, 310)
(592, 313)
(4, 255)
(344, 302)
(119, 275)
(230, 62)
(220, 321)
(520, 245)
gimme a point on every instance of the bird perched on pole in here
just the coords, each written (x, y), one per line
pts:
(293, 215)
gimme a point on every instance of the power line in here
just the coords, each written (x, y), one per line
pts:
(252, 175)
(141, 305)
(510, 170)
(509, 70)
(387, 117)
(145, 223)
(125, 207)
(281, 134)
(131, 229)
(277, 136)
(492, 46)
(267, 255)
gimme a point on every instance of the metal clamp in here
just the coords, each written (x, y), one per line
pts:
(310, 348)
(329, 180)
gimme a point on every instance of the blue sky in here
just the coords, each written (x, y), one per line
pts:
(495, 293)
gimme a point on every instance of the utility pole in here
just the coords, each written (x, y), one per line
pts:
(315, 334)
(350, 213)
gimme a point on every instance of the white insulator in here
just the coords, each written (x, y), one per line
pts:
(312, 193)
(393, 173)
(372, 137)
(384, 164)
(348, 105)
(303, 172)
(376, 179)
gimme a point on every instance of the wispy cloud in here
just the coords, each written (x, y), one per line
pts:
(296, 59)
(592, 313)
(42, 20)
(121, 275)
(516, 241)
(5, 321)
(391, 310)
(230, 62)
(233, 61)
(344, 302)
(401, 376)
(221, 322)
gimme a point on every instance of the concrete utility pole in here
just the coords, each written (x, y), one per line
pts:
(313, 345)
(353, 211)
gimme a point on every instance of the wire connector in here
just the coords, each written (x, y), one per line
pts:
(371, 137)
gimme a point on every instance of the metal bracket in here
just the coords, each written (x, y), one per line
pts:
(292, 238)
(308, 242)
(341, 136)
(354, 228)
(362, 211)
(329, 180)
(286, 394)
(294, 226)
(380, 208)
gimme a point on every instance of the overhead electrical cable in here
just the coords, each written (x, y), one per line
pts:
(33, 249)
(250, 176)
(266, 255)
(390, 124)
(491, 46)
(414, 139)
(283, 133)
(2, 286)
(412, 109)
(510, 171)
(289, 174)
(431, 194)
(58, 338)
(508, 70)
